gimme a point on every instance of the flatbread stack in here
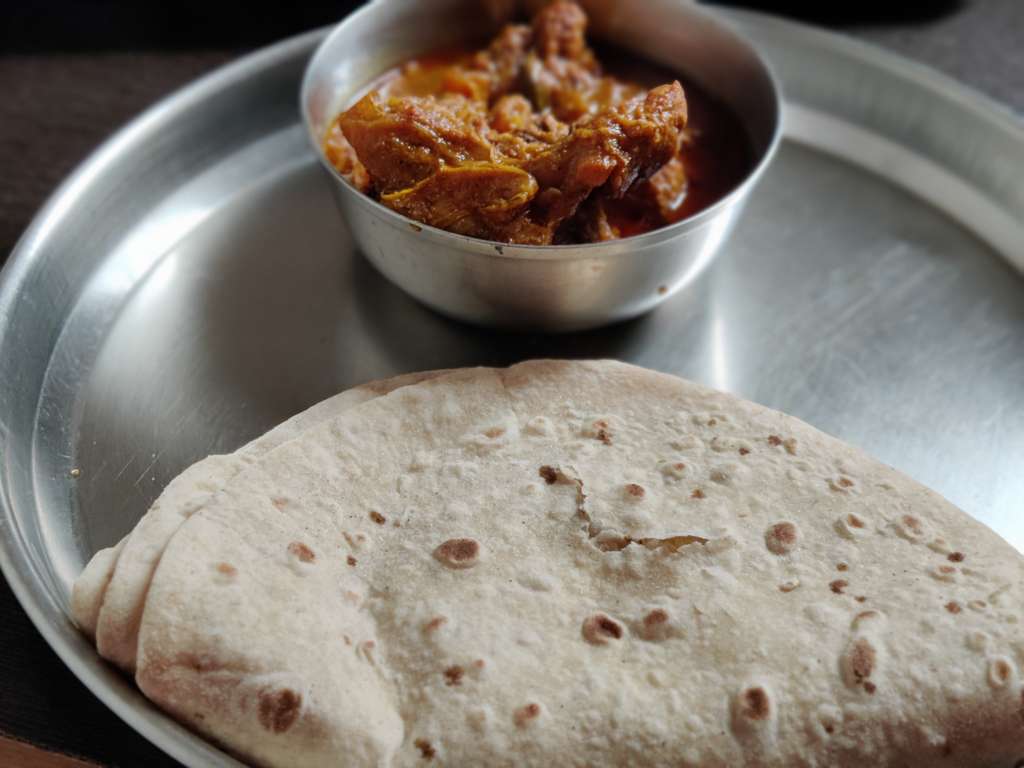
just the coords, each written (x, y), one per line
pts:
(565, 563)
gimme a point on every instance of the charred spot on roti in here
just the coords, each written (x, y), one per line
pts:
(781, 538)
(494, 432)
(947, 573)
(351, 561)
(677, 542)
(953, 606)
(279, 709)
(752, 710)
(611, 541)
(910, 528)
(743, 450)
(549, 474)
(851, 526)
(838, 586)
(774, 441)
(301, 551)
(431, 626)
(840, 485)
(698, 494)
(672, 470)
(860, 598)
(956, 557)
(656, 626)
(458, 553)
(634, 491)
(655, 617)
(599, 629)
(226, 570)
(842, 567)
(453, 675)
(720, 476)
(426, 749)
(356, 541)
(599, 429)
(377, 517)
(859, 662)
(526, 714)
(1000, 671)
(755, 704)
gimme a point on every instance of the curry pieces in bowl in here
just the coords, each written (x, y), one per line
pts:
(530, 141)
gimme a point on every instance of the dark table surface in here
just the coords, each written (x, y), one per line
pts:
(981, 43)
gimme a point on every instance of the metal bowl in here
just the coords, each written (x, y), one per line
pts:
(552, 288)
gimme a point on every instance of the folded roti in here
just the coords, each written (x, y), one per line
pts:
(584, 564)
(108, 597)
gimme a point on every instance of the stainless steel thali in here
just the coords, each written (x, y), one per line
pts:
(192, 285)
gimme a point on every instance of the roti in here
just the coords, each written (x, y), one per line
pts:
(108, 597)
(583, 563)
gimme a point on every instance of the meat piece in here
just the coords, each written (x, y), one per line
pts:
(403, 140)
(517, 200)
(649, 204)
(610, 151)
(560, 30)
(560, 85)
(342, 156)
(512, 113)
(477, 199)
(518, 133)
(469, 83)
(661, 197)
(483, 76)
(667, 187)
(591, 223)
(561, 72)
(505, 57)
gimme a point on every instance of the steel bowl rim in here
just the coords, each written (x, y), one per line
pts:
(522, 252)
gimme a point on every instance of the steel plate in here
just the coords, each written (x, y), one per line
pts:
(192, 285)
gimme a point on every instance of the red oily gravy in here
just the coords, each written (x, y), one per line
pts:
(716, 154)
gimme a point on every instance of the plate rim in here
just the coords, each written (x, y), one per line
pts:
(16, 562)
